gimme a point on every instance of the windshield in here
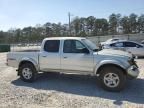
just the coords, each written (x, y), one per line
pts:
(90, 44)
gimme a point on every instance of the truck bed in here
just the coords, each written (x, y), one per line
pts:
(25, 48)
(14, 58)
(28, 50)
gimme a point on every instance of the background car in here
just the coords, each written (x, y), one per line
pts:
(110, 41)
(129, 46)
(142, 42)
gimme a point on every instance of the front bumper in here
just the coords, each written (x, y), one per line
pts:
(133, 71)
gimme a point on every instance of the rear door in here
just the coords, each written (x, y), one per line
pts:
(74, 59)
(134, 48)
(49, 59)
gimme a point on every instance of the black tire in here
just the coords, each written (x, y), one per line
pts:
(116, 72)
(31, 68)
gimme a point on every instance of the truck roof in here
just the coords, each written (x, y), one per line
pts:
(62, 38)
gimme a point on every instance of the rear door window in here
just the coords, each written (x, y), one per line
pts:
(132, 44)
(52, 46)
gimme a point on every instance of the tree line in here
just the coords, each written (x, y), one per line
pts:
(79, 26)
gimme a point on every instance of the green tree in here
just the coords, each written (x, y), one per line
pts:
(114, 22)
(1, 37)
(141, 23)
(133, 23)
(48, 29)
(18, 35)
(26, 34)
(90, 24)
(79, 26)
(76, 26)
(64, 30)
(101, 27)
(125, 23)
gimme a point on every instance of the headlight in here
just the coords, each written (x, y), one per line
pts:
(132, 62)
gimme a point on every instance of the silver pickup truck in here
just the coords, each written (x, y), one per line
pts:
(76, 55)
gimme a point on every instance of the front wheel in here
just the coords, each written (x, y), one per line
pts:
(112, 78)
(27, 72)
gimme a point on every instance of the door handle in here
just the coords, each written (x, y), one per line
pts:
(64, 57)
(44, 56)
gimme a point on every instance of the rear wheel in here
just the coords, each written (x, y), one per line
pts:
(112, 78)
(27, 72)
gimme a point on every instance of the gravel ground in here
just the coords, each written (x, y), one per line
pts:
(54, 90)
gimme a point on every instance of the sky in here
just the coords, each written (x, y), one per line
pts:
(23, 13)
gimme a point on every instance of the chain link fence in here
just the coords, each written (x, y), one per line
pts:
(25, 47)
(133, 37)
(34, 46)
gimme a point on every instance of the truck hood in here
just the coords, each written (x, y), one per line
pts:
(112, 52)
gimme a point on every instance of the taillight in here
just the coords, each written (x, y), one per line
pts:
(6, 61)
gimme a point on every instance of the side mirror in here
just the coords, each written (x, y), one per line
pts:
(137, 46)
(85, 50)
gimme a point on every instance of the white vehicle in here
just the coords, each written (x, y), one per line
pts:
(129, 46)
(110, 41)
(76, 56)
(142, 42)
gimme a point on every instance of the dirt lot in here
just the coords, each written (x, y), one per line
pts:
(65, 91)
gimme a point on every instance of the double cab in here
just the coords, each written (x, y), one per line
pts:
(76, 55)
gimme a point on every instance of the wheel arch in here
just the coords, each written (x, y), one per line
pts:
(98, 70)
(24, 61)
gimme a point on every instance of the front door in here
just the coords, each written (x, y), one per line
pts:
(74, 58)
